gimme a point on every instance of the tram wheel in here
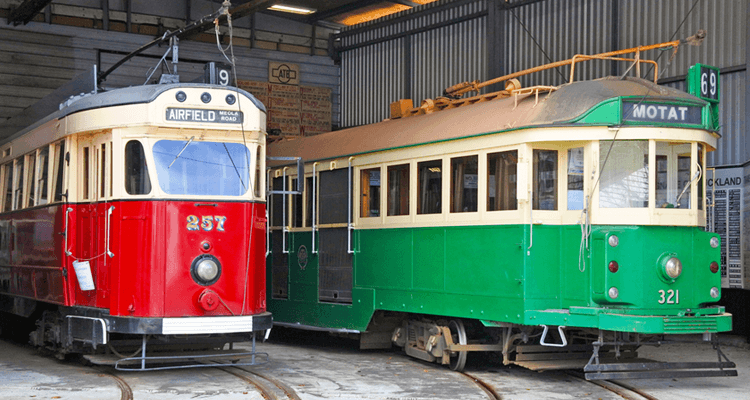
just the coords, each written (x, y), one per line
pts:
(458, 332)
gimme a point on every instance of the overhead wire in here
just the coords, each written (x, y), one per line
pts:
(585, 221)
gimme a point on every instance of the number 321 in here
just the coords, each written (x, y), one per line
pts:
(669, 297)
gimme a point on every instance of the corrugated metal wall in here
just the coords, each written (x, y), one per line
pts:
(725, 22)
(410, 59)
(549, 31)
(538, 33)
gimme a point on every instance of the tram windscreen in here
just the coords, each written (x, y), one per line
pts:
(202, 168)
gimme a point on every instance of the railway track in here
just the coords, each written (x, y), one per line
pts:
(126, 392)
(269, 387)
(621, 389)
(488, 389)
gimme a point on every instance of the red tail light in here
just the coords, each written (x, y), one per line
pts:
(613, 266)
(714, 267)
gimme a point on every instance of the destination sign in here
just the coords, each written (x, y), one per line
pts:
(662, 113)
(209, 116)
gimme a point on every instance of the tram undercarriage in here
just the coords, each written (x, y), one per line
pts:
(600, 354)
(67, 331)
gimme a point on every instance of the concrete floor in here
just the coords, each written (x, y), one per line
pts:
(332, 368)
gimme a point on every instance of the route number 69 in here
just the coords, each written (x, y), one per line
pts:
(669, 297)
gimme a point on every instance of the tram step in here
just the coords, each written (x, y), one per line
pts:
(655, 370)
(172, 360)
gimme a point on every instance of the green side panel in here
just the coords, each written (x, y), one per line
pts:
(485, 261)
(383, 259)
(535, 275)
(303, 306)
(429, 259)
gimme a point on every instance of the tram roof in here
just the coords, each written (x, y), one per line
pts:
(556, 108)
(124, 96)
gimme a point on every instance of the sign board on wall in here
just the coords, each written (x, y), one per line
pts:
(283, 73)
(724, 190)
(293, 110)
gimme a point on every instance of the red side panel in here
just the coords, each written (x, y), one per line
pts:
(154, 244)
(30, 255)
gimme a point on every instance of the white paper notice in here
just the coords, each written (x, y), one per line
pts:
(83, 273)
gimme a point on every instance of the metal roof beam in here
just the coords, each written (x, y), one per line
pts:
(340, 10)
(405, 2)
(26, 11)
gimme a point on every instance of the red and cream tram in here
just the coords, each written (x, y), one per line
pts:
(135, 219)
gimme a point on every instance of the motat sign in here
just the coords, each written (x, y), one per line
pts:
(661, 113)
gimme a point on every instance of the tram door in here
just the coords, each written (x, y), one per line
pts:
(335, 262)
(92, 227)
(279, 258)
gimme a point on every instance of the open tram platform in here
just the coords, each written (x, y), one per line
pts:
(324, 367)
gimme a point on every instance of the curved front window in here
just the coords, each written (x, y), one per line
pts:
(624, 174)
(202, 168)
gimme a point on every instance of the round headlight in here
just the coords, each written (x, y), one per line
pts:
(205, 270)
(206, 97)
(714, 242)
(714, 292)
(180, 96)
(613, 240)
(613, 292)
(231, 99)
(673, 267)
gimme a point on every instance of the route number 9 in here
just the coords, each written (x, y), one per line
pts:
(223, 77)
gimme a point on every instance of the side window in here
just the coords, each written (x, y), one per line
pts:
(370, 196)
(464, 182)
(575, 179)
(545, 180)
(43, 176)
(18, 183)
(137, 180)
(296, 201)
(8, 185)
(501, 180)
(398, 189)
(258, 171)
(309, 193)
(103, 160)
(57, 177)
(429, 187)
(85, 173)
(30, 195)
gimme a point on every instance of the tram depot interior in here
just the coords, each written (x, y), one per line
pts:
(326, 66)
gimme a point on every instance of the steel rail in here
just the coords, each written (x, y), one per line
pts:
(615, 387)
(263, 383)
(126, 392)
(488, 389)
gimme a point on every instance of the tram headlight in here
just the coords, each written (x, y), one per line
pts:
(231, 99)
(715, 292)
(613, 293)
(205, 270)
(673, 267)
(714, 242)
(180, 96)
(206, 97)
